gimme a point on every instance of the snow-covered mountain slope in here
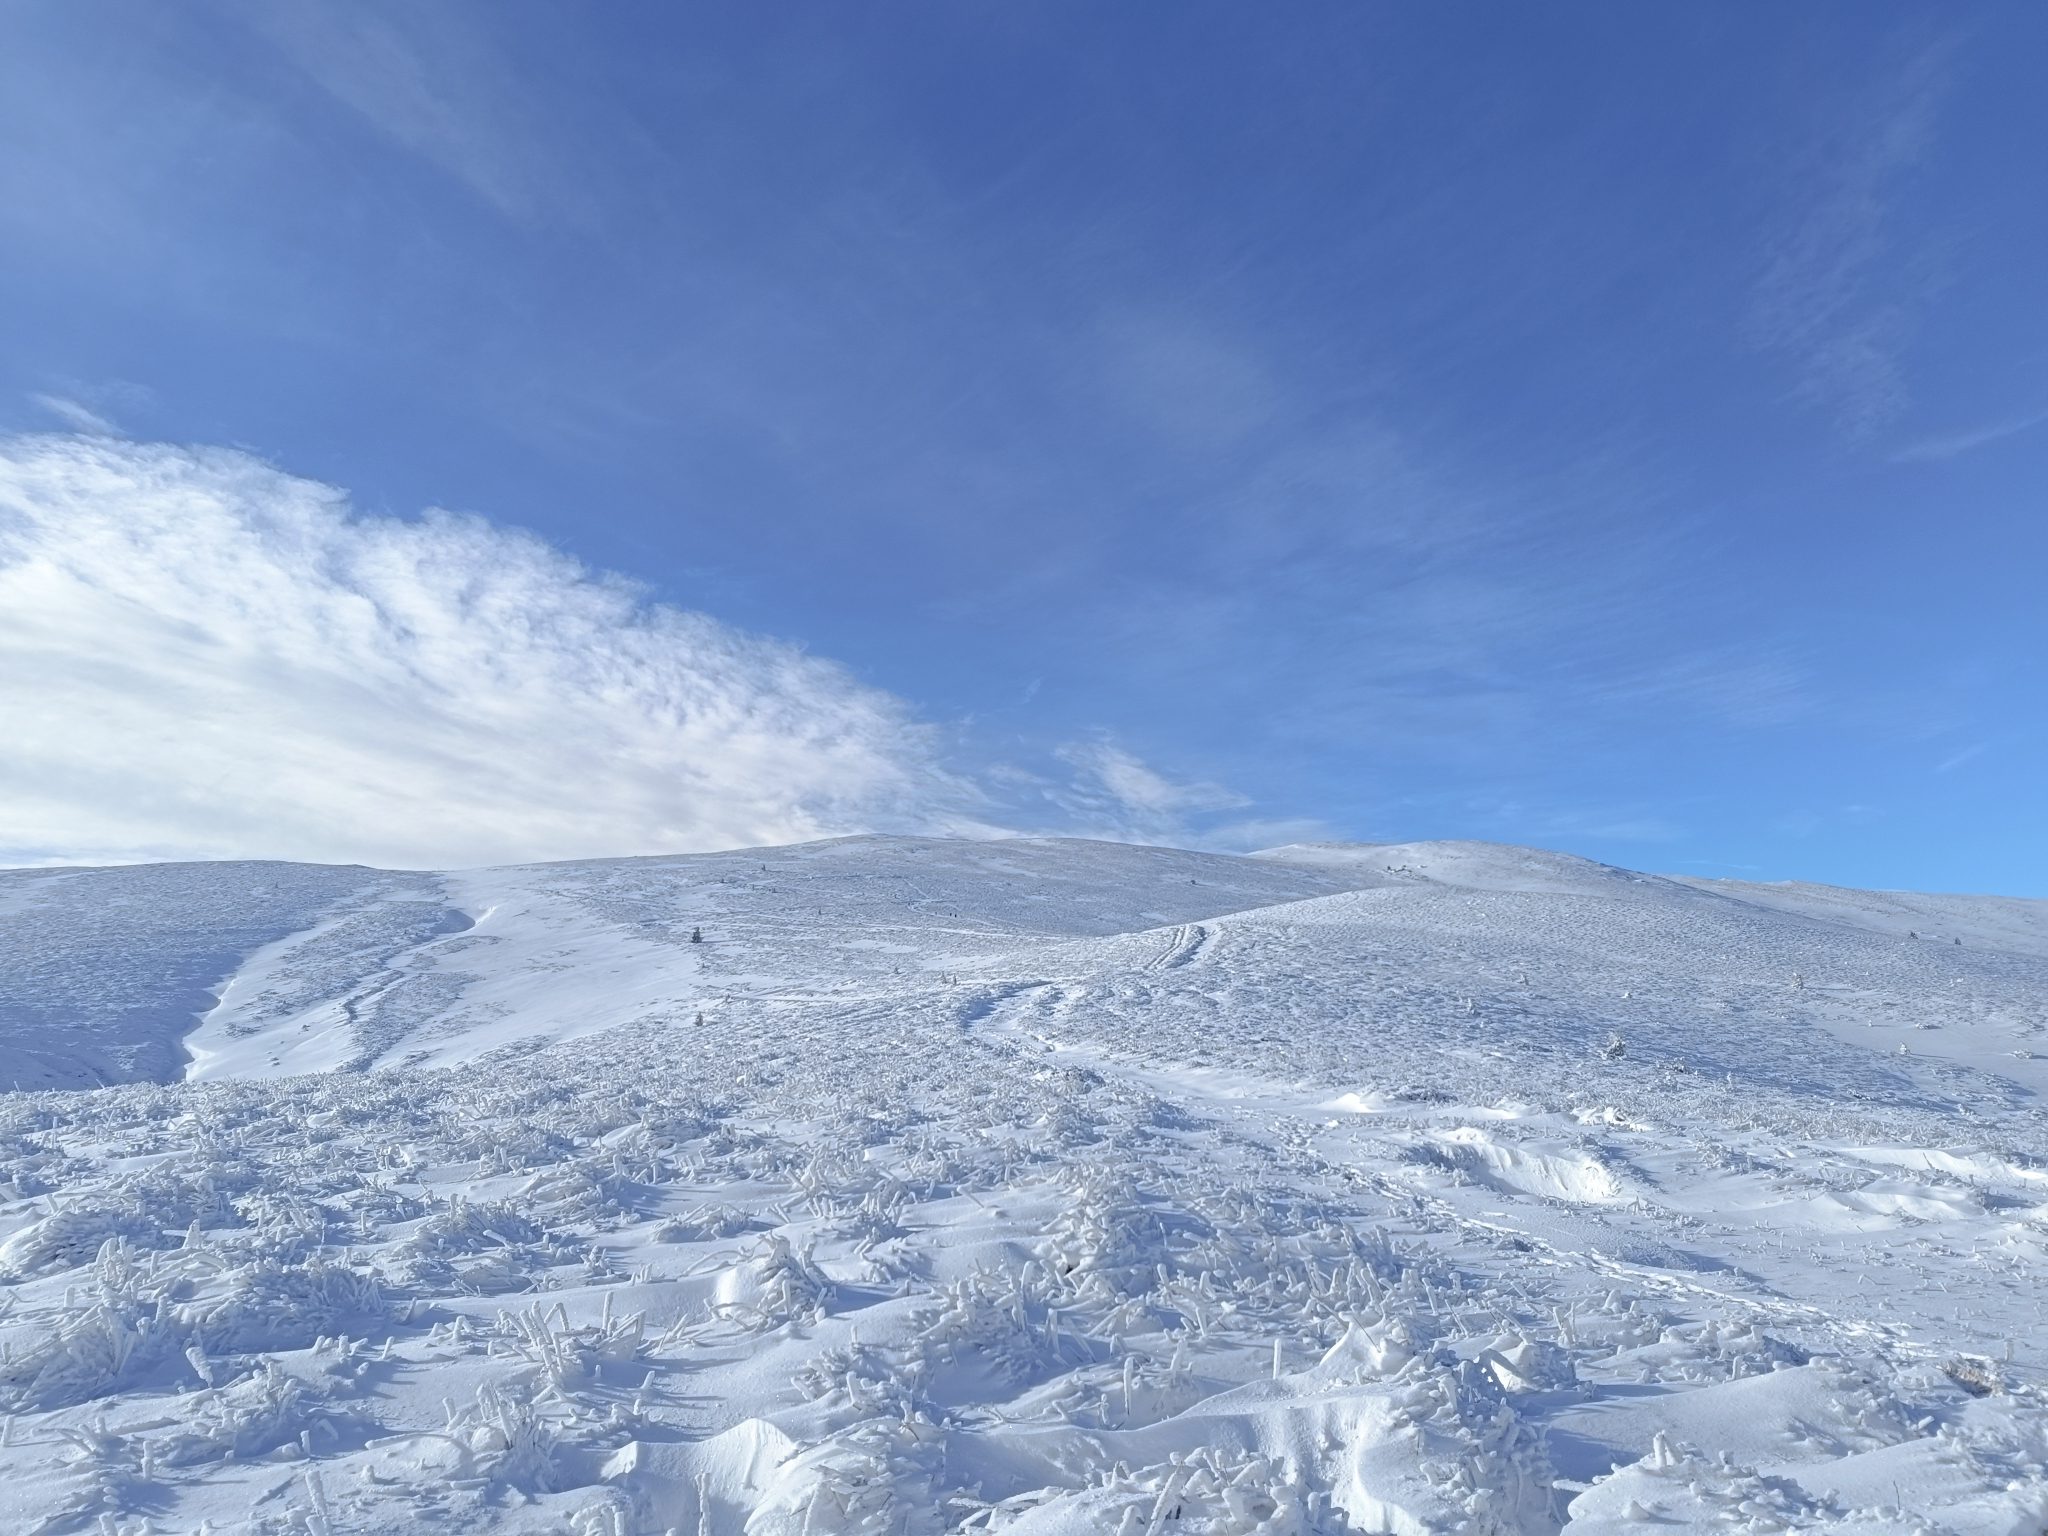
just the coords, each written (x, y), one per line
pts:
(305, 968)
(102, 971)
(1037, 1187)
(1983, 922)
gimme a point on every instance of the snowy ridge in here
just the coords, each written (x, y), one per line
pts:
(1481, 866)
(1042, 1187)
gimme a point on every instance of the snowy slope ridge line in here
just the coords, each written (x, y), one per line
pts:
(1049, 1187)
(1484, 866)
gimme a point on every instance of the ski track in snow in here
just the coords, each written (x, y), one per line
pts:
(1034, 1187)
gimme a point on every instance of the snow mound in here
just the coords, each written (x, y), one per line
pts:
(1546, 1170)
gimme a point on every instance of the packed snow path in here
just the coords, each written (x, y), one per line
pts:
(1031, 1187)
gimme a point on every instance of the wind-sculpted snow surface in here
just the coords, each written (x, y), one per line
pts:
(1037, 1188)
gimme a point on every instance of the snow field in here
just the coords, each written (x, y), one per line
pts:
(1042, 1188)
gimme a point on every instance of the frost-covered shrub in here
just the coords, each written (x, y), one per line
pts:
(503, 1147)
(1068, 1125)
(829, 1179)
(1738, 1347)
(1676, 1486)
(94, 1348)
(704, 1223)
(464, 1228)
(72, 1235)
(1521, 1364)
(566, 1355)
(878, 1478)
(1482, 1460)
(203, 1187)
(284, 1227)
(859, 1378)
(772, 1286)
(1205, 1492)
(505, 1437)
(579, 1191)
(268, 1306)
(676, 1121)
(1107, 1242)
(477, 1250)
(874, 1218)
(27, 1169)
(259, 1413)
(1000, 1321)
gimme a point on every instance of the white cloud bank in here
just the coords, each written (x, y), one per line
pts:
(202, 656)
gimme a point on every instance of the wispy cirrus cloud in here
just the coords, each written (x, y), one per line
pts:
(1736, 686)
(424, 78)
(1956, 759)
(1943, 446)
(1181, 379)
(75, 415)
(1552, 824)
(1836, 296)
(203, 656)
(1100, 788)
(1137, 786)
(1438, 614)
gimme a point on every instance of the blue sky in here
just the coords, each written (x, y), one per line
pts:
(1611, 429)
